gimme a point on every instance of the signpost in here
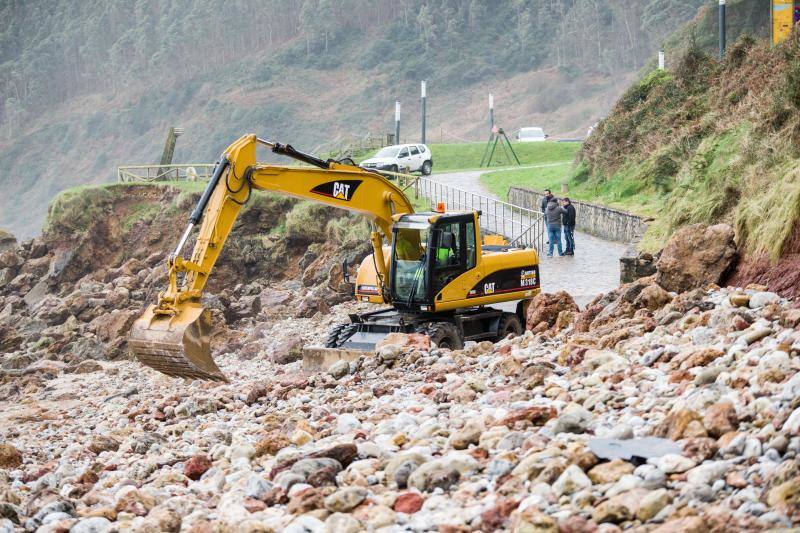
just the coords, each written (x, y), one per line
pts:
(721, 28)
(783, 18)
(422, 110)
(661, 60)
(491, 111)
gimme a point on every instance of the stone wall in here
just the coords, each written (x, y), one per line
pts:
(603, 222)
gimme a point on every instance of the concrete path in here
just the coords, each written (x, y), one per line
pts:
(593, 269)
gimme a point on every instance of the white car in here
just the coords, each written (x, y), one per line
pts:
(530, 135)
(401, 157)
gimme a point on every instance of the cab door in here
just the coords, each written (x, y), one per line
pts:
(453, 256)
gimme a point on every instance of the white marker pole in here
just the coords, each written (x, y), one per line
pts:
(661, 62)
(423, 96)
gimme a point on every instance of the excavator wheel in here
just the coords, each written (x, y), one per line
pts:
(509, 324)
(339, 334)
(444, 335)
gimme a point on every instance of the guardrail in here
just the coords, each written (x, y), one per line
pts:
(150, 173)
(519, 225)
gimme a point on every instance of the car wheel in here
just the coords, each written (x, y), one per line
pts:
(427, 166)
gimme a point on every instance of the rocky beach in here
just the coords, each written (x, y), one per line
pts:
(669, 404)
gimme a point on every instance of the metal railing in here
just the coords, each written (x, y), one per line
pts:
(150, 173)
(519, 225)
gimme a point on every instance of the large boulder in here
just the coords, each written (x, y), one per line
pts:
(545, 308)
(7, 241)
(695, 256)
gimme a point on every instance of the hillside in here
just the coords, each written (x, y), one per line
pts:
(712, 141)
(88, 86)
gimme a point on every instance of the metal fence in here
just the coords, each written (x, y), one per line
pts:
(519, 225)
(149, 173)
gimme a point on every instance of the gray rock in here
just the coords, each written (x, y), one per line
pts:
(307, 467)
(96, 524)
(339, 369)
(760, 299)
(257, 487)
(345, 500)
(644, 448)
(574, 419)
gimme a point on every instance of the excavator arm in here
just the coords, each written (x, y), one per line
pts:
(173, 335)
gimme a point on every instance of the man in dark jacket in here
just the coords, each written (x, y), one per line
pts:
(548, 196)
(568, 222)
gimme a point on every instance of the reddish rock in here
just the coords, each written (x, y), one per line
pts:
(696, 256)
(112, 326)
(306, 500)
(495, 518)
(408, 502)
(675, 425)
(546, 308)
(287, 352)
(576, 524)
(411, 341)
(253, 506)
(700, 357)
(720, 418)
(699, 449)
(197, 466)
(536, 416)
(10, 457)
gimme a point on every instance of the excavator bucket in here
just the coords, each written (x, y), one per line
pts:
(176, 345)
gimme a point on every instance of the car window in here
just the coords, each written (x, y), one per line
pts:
(403, 153)
(414, 150)
(422, 148)
(389, 151)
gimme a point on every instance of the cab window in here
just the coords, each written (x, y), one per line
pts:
(414, 150)
(403, 153)
(422, 148)
(469, 233)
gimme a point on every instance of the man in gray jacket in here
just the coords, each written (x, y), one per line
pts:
(552, 216)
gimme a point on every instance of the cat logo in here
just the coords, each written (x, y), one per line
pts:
(340, 190)
(488, 288)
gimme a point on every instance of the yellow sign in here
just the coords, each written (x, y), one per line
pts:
(782, 20)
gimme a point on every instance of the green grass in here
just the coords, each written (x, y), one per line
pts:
(623, 191)
(467, 156)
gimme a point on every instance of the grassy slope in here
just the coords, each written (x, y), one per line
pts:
(707, 141)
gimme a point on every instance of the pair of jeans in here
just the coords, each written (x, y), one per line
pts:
(554, 235)
(569, 239)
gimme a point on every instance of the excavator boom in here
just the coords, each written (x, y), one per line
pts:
(173, 335)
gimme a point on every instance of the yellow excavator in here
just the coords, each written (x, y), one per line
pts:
(433, 267)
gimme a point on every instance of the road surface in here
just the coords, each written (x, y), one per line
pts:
(593, 269)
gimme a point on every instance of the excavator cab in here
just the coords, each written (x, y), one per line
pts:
(429, 252)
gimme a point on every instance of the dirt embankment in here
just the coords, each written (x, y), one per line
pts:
(70, 295)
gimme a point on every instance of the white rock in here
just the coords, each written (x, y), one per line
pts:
(673, 463)
(571, 480)
(707, 473)
(760, 299)
(347, 423)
